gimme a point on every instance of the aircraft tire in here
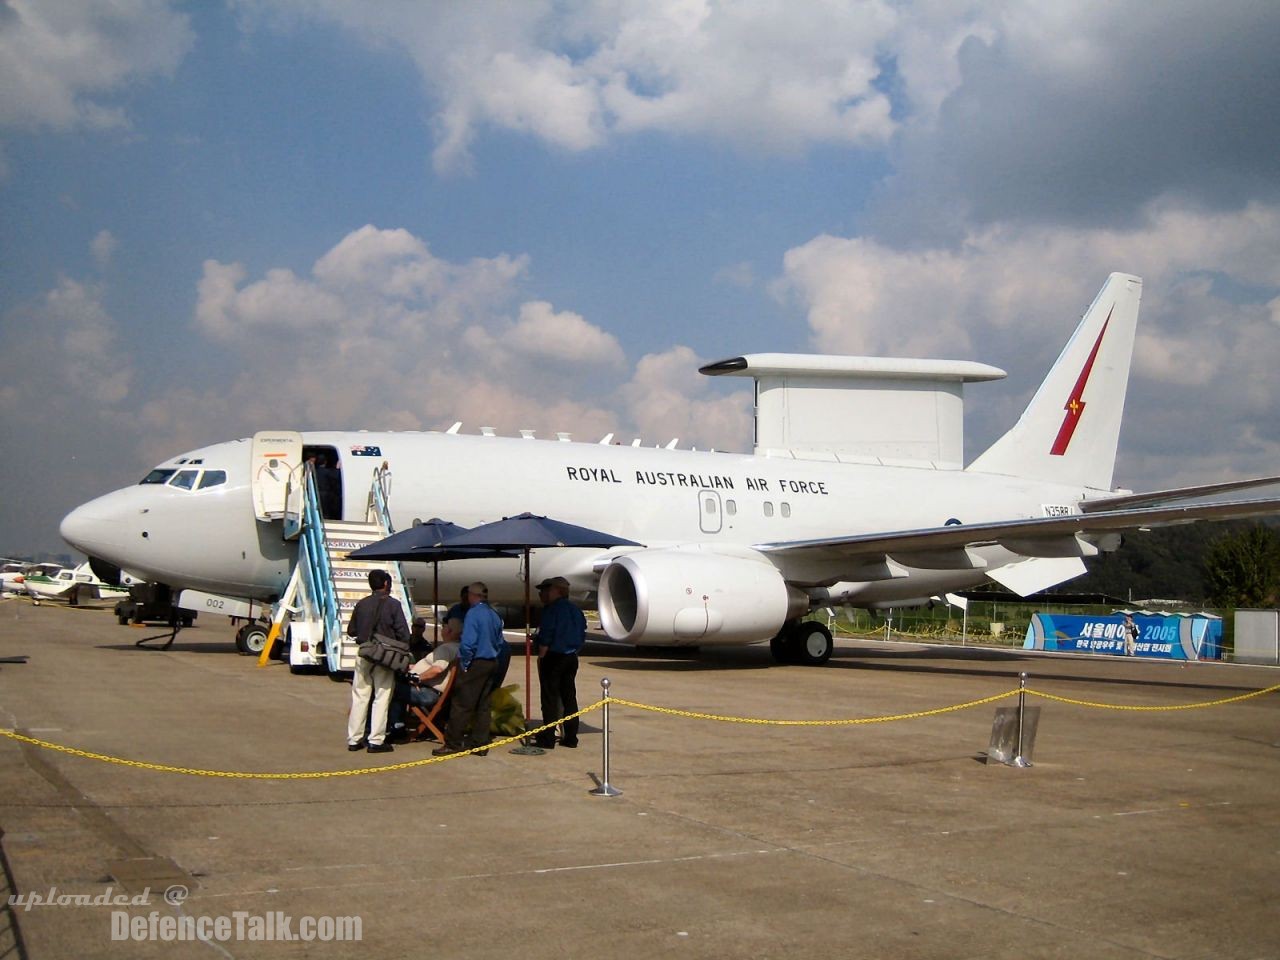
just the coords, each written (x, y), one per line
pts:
(251, 639)
(782, 647)
(811, 643)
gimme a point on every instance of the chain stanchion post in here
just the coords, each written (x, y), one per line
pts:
(1019, 760)
(605, 789)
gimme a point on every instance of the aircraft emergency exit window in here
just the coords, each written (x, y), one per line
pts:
(768, 509)
(185, 480)
(159, 475)
(212, 478)
(731, 507)
(786, 509)
(709, 505)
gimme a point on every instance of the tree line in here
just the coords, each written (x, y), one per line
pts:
(1222, 565)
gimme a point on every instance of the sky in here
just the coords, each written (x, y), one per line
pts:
(217, 218)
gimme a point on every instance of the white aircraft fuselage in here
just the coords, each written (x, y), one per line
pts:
(855, 495)
(210, 540)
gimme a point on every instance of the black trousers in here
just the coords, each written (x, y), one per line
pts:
(470, 706)
(557, 682)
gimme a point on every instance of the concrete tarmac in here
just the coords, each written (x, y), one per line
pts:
(1134, 835)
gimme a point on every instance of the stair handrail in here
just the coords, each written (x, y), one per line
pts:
(319, 574)
(378, 511)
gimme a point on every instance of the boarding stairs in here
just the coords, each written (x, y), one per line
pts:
(325, 584)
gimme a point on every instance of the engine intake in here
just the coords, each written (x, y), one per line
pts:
(688, 596)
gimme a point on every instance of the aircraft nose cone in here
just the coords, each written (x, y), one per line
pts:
(91, 530)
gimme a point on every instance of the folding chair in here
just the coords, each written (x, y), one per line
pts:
(427, 718)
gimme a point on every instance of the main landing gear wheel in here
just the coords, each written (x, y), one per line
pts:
(804, 642)
(250, 639)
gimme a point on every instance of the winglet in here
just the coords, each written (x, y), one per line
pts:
(1071, 428)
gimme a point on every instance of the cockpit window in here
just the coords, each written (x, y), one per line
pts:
(213, 478)
(185, 480)
(158, 475)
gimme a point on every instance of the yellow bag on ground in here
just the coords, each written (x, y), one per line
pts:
(507, 713)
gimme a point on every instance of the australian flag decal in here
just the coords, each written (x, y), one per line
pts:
(368, 450)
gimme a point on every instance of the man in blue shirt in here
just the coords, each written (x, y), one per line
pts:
(477, 654)
(561, 634)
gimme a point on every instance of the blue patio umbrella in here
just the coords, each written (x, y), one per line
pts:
(400, 545)
(525, 532)
(419, 543)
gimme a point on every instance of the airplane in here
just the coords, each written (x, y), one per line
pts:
(72, 584)
(855, 494)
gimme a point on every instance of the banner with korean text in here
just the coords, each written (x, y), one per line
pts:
(1194, 637)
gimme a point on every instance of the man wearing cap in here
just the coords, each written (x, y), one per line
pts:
(561, 634)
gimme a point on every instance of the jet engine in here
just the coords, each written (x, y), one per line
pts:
(688, 596)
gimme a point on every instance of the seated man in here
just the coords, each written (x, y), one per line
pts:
(420, 687)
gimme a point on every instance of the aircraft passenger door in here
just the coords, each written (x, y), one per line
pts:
(274, 457)
(710, 511)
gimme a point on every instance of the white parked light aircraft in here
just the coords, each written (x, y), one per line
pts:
(856, 494)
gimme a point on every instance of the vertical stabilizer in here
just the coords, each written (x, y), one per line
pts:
(1069, 432)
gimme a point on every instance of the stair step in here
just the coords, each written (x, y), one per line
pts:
(365, 565)
(344, 544)
(347, 526)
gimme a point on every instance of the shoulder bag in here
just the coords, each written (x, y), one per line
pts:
(385, 651)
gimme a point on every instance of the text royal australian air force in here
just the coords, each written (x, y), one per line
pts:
(696, 481)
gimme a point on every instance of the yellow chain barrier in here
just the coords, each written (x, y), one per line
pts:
(615, 701)
(1181, 706)
(814, 723)
(313, 775)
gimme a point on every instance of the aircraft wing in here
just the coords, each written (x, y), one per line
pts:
(1158, 497)
(1036, 537)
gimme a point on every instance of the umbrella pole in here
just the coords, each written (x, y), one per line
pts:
(527, 746)
(435, 600)
(528, 646)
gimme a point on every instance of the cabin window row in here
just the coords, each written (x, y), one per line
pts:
(731, 507)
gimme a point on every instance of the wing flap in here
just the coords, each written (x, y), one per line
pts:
(1159, 497)
(1042, 536)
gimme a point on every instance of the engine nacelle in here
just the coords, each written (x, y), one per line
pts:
(695, 595)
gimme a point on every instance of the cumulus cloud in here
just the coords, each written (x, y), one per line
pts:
(66, 405)
(668, 401)
(103, 247)
(63, 356)
(767, 74)
(1085, 113)
(383, 334)
(1010, 295)
(56, 58)
(562, 338)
